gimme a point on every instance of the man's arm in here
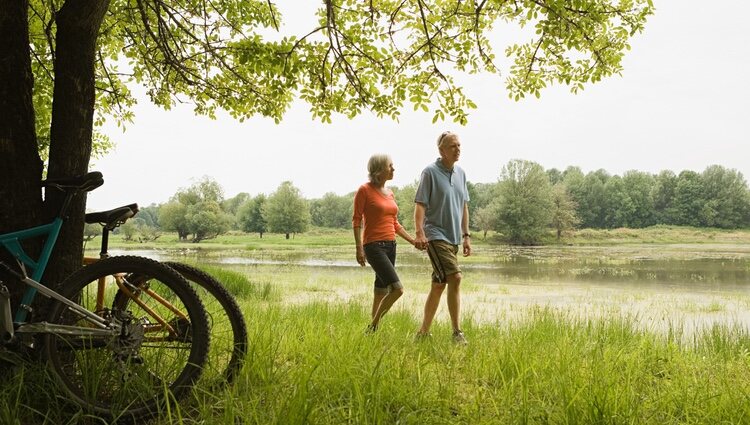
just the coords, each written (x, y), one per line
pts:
(420, 240)
(465, 230)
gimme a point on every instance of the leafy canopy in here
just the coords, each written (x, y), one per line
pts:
(376, 55)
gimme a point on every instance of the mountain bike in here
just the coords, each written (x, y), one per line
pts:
(226, 322)
(121, 337)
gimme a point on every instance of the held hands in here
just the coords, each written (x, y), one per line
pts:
(361, 255)
(420, 242)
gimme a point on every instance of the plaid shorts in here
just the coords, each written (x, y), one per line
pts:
(444, 259)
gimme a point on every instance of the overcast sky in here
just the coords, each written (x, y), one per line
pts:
(682, 103)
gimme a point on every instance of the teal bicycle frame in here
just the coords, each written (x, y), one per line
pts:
(12, 242)
(51, 231)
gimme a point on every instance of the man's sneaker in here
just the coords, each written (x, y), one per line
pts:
(459, 338)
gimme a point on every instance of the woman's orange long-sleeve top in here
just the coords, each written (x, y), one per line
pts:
(378, 212)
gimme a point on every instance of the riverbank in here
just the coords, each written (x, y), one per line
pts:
(322, 237)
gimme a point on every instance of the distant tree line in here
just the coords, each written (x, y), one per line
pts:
(526, 203)
(527, 200)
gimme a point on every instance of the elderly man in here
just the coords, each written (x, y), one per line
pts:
(441, 217)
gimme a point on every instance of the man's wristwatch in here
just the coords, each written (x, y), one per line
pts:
(467, 235)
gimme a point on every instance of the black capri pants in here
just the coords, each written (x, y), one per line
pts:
(382, 258)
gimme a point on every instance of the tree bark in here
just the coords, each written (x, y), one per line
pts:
(78, 23)
(20, 164)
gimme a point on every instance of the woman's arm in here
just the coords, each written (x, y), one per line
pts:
(358, 243)
(358, 212)
(404, 234)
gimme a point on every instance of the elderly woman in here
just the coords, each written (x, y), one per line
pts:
(375, 223)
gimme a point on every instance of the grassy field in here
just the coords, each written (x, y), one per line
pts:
(311, 362)
(596, 359)
(656, 235)
(321, 237)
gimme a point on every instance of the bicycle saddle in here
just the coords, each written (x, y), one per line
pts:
(112, 218)
(85, 183)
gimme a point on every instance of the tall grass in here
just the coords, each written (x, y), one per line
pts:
(313, 363)
(242, 286)
(29, 395)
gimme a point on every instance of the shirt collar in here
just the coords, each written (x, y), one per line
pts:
(440, 165)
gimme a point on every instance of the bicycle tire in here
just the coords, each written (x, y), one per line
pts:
(127, 376)
(228, 349)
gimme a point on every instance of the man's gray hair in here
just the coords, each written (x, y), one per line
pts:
(446, 135)
(375, 166)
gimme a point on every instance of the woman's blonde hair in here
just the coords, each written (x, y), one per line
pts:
(375, 167)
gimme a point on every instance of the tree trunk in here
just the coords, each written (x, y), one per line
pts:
(20, 165)
(78, 23)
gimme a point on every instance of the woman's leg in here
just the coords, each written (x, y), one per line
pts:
(377, 299)
(386, 304)
(382, 258)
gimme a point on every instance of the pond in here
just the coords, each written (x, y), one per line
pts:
(677, 288)
(692, 266)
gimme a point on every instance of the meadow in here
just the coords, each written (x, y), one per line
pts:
(645, 329)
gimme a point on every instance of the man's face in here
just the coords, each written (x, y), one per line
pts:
(450, 149)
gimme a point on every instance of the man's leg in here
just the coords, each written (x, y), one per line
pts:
(454, 300)
(430, 306)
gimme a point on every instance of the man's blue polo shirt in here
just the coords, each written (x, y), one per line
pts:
(443, 192)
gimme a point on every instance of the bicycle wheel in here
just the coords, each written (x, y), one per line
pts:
(226, 322)
(160, 346)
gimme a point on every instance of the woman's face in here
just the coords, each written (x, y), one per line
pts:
(387, 173)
